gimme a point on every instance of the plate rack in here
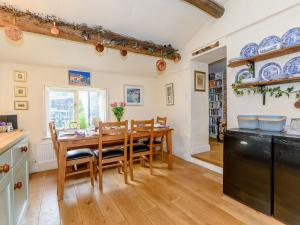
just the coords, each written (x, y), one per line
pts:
(262, 57)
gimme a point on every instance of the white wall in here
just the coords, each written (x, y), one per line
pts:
(276, 25)
(33, 120)
(244, 21)
(189, 115)
(179, 114)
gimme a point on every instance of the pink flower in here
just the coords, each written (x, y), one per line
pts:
(122, 104)
(114, 104)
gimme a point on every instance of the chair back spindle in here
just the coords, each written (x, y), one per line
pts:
(113, 132)
(54, 137)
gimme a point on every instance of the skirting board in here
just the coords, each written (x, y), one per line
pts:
(200, 149)
(199, 162)
(209, 166)
(40, 167)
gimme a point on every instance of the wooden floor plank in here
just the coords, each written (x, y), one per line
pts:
(214, 156)
(69, 210)
(35, 195)
(187, 195)
(158, 217)
(88, 207)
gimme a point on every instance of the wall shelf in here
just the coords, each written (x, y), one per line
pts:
(269, 83)
(269, 55)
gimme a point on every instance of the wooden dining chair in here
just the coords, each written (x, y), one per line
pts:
(75, 157)
(158, 142)
(141, 130)
(112, 156)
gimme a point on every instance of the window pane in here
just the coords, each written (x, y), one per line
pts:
(61, 108)
(83, 109)
(91, 106)
(97, 105)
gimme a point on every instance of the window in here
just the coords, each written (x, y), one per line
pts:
(65, 106)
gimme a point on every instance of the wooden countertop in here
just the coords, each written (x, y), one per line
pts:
(7, 140)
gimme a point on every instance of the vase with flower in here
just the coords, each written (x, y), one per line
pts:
(118, 109)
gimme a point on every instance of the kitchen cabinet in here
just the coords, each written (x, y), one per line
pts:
(247, 168)
(287, 179)
(20, 181)
(262, 170)
(14, 178)
(6, 191)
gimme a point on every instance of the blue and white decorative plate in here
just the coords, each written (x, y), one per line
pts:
(249, 50)
(243, 74)
(291, 37)
(270, 71)
(292, 67)
(269, 44)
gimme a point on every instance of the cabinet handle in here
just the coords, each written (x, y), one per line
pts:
(4, 168)
(18, 185)
(24, 149)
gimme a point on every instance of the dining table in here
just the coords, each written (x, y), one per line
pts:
(69, 141)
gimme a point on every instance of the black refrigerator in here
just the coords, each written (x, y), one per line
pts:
(287, 179)
(248, 168)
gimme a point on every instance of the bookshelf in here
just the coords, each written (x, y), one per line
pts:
(216, 101)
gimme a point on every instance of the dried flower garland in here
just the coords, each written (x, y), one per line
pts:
(108, 37)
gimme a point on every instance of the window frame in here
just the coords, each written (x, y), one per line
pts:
(75, 90)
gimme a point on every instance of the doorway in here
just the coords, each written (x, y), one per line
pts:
(217, 105)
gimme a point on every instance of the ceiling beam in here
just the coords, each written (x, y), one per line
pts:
(209, 6)
(40, 24)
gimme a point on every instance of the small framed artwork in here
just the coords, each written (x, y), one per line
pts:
(20, 76)
(79, 78)
(20, 91)
(133, 95)
(170, 94)
(21, 105)
(200, 81)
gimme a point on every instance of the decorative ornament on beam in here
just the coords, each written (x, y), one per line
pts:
(54, 30)
(123, 51)
(161, 64)
(99, 45)
(13, 32)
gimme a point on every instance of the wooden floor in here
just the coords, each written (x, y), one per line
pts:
(214, 156)
(187, 195)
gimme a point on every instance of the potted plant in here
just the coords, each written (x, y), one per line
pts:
(118, 109)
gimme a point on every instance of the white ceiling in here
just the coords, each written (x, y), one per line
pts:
(162, 21)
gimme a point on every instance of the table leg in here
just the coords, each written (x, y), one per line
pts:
(62, 161)
(169, 148)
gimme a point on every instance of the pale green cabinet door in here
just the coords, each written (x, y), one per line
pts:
(6, 190)
(20, 177)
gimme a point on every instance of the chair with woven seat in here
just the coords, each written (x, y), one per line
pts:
(74, 157)
(158, 142)
(141, 130)
(112, 156)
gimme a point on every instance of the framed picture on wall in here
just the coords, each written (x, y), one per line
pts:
(79, 78)
(20, 91)
(170, 94)
(21, 105)
(133, 95)
(20, 76)
(200, 80)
